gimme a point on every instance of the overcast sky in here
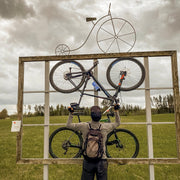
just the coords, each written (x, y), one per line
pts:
(35, 28)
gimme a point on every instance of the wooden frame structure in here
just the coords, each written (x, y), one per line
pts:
(150, 160)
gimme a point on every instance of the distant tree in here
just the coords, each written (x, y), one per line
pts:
(163, 104)
(39, 110)
(3, 114)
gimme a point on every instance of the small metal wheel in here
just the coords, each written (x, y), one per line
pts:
(62, 49)
(116, 35)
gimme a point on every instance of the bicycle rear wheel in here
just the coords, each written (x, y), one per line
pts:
(65, 143)
(135, 73)
(122, 143)
(67, 76)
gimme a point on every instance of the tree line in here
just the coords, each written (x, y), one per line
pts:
(160, 104)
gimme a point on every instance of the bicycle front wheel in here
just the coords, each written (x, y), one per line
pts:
(135, 73)
(67, 76)
(65, 143)
(116, 35)
(122, 143)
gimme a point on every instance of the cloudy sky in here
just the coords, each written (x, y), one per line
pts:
(35, 28)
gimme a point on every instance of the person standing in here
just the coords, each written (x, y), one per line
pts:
(94, 166)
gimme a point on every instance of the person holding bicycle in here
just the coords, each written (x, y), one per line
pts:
(99, 165)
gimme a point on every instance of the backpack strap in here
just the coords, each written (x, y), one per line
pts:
(90, 126)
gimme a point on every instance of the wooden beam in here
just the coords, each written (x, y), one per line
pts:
(20, 109)
(110, 160)
(97, 56)
(176, 99)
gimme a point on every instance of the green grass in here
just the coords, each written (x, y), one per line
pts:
(164, 142)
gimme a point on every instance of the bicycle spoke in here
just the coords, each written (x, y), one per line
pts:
(107, 32)
(110, 45)
(121, 27)
(113, 26)
(125, 42)
(126, 34)
(117, 45)
(106, 39)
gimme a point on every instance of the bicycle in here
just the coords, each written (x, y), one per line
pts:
(113, 35)
(67, 143)
(72, 76)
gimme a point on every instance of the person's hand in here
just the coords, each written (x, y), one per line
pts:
(116, 107)
(70, 109)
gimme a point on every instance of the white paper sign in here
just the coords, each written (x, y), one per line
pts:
(16, 125)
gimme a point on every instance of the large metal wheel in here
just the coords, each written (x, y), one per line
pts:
(116, 35)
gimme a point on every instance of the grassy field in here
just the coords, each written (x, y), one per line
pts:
(164, 141)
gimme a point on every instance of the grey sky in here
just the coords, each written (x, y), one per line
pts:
(34, 28)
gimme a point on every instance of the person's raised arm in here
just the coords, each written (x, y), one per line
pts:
(69, 123)
(117, 117)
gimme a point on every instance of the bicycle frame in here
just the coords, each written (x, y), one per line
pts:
(88, 74)
(94, 24)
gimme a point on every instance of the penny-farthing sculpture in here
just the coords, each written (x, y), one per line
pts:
(113, 36)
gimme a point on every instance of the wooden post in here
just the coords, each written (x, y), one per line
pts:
(176, 99)
(46, 121)
(96, 101)
(149, 118)
(20, 109)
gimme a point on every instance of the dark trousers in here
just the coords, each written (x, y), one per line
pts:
(91, 168)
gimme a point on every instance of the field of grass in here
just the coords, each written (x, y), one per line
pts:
(164, 142)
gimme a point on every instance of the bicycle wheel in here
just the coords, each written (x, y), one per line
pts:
(67, 76)
(135, 73)
(62, 49)
(122, 143)
(116, 35)
(65, 143)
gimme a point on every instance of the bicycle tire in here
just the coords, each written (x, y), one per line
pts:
(59, 80)
(128, 141)
(59, 140)
(116, 35)
(135, 73)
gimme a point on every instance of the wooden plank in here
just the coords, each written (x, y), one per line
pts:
(176, 99)
(97, 56)
(110, 160)
(20, 109)
(151, 161)
(96, 100)
(149, 118)
(46, 121)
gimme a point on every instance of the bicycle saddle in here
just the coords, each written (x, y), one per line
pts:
(90, 19)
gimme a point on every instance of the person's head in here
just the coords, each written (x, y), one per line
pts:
(95, 113)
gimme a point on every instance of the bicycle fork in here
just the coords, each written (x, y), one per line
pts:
(123, 74)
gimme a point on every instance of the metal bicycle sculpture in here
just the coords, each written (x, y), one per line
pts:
(113, 35)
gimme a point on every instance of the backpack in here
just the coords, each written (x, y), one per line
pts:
(93, 145)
